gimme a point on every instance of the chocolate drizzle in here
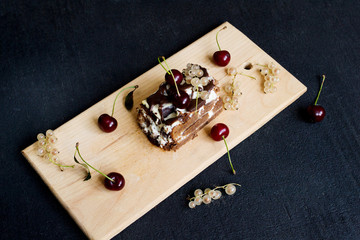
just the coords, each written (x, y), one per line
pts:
(160, 97)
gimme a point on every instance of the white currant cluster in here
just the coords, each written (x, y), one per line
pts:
(271, 77)
(211, 194)
(46, 148)
(194, 75)
(46, 144)
(231, 100)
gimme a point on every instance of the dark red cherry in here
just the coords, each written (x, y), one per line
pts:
(316, 113)
(222, 58)
(107, 123)
(182, 101)
(118, 182)
(218, 131)
(177, 75)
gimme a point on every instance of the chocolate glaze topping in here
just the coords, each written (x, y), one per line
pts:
(163, 98)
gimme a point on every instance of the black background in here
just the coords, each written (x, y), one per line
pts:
(300, 180)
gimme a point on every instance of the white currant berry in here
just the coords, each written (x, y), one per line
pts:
(272, 79)
(266, 90)
(273, 89)
(228, 88)
(192, 73)
(276, 79)
(189, 65)
(48, 147)
(271, 65)
(212, 194)
(264, 71)
(198, 200)
(195, 67)
(52, 140)
(276, 71)
(55, 151)
(217, 195)
(49, 133)
(40, 136)
(200, 73)
(237, 85)
(230, 189)
(198, 192)
(267, 78)
(207, 190)
(42, 143)
(195, 81)
(267, 84)
(226, 99)
(206, 199)
(55, 158)
(192, 204)
(237, 93)
(236, 106)
(227, 106)
(204, 81)
(231, 71)
(40, 152)
(235, 100)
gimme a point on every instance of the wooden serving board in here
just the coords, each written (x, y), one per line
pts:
(152, 174)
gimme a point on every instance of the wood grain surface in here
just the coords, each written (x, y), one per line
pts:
(152, 174)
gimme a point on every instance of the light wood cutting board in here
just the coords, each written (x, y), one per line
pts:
(152, 174)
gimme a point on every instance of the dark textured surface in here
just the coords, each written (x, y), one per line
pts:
(300, 180)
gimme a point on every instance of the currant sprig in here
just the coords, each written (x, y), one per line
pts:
(231, 100)
(271, 77)
(46, 149)
(208, 194)
(194, 75)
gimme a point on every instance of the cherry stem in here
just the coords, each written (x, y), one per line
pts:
(247, 76)
(261, 65)
(177, 90)
(243, 75)
(57, 164)
(322, 83)
(217, 187)
(78, 151)
(227, 148)
(163, 65)
(217, 42)
(113, 109)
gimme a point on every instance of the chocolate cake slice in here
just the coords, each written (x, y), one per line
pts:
(170, 127)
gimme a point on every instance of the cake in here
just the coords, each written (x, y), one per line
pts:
(168, 126)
